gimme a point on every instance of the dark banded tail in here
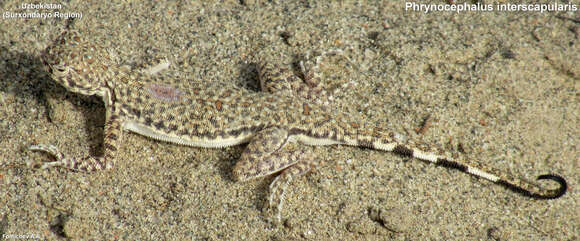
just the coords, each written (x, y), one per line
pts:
(540, 193)
(521, 186)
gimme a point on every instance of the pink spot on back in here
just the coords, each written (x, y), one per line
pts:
(164, 92)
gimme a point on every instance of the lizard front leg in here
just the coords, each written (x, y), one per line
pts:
(111, 145)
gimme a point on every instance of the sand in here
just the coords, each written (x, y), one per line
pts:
(497, 88)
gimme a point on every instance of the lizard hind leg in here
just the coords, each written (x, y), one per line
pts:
(311, 67)
(280, 184)
(258, 158)
(280, 80)
(271, 151)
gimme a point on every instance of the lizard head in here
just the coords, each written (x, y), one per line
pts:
(77, 64)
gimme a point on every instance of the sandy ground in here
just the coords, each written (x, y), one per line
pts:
(498, 88)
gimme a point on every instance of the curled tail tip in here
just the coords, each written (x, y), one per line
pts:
(534, 191)
(555, 193)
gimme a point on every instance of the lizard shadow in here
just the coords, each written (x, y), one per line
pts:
(24, 76)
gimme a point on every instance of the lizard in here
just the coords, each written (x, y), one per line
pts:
(277, 122)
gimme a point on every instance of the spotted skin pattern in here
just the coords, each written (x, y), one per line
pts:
(278, 122)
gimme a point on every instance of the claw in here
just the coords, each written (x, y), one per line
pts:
(51, 164)
(51, 150)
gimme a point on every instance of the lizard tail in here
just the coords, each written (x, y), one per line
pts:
(538, 192)
(524, 187)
